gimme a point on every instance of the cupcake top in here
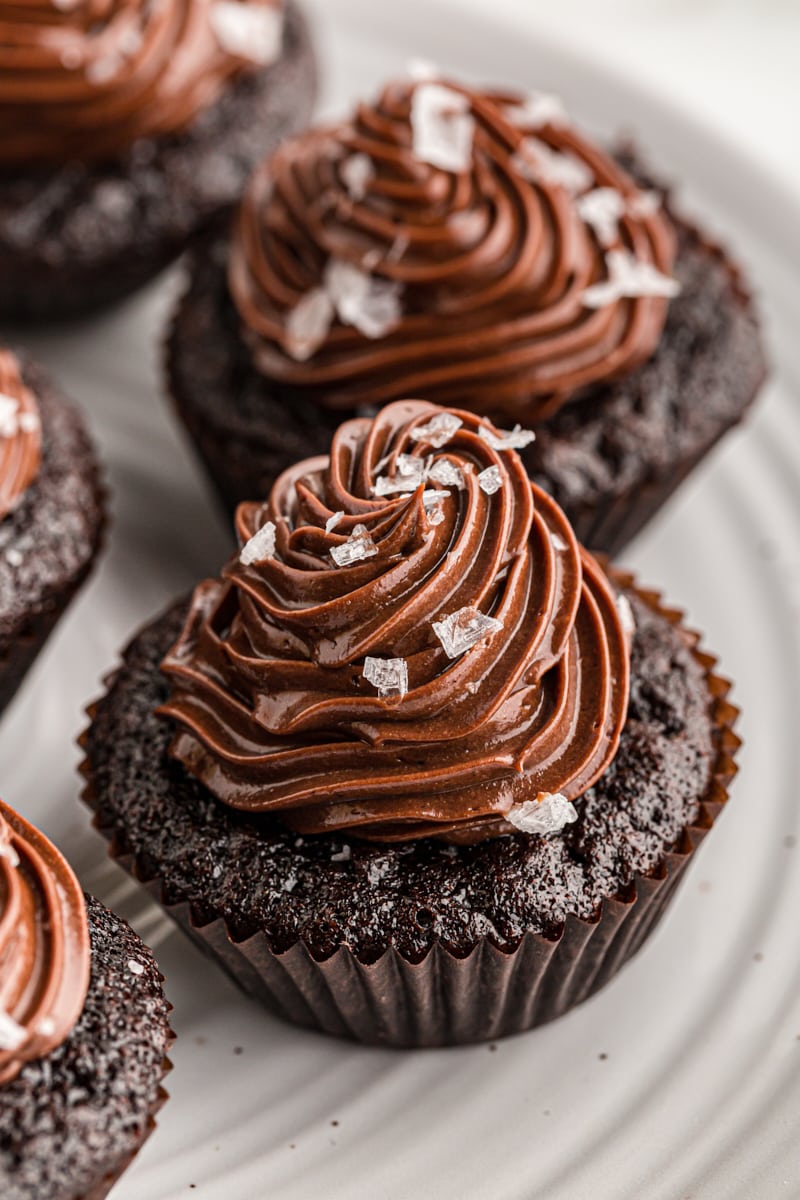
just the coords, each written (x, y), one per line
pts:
(44, 946)
(410, 643)
(86, 78)
(20, 434)
(447, 242)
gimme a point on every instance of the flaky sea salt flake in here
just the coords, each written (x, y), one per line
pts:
(357, 171)
(308, 324)
(442, 127)
(46, 1027)
(333, 521)
(410, 472)
(12, 1034)
(540, 163)
(250, 31)
(628, 278)
(357, 547)
(601, 209)
(432, 499)
(548, 813)
(537, 109)
(371, 305)
(626, 617)
(507, 439)
(462, 630)
(260, 546)
(389, 676)
(438, 431)
(445, 472)
(490, 480)
(8, 852)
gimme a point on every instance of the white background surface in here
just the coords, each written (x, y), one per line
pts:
(681, 1080)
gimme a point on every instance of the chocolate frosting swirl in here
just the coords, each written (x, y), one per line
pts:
(20, 434)
(44, 946)
(270, 677)
(491, 264)
(85, 78)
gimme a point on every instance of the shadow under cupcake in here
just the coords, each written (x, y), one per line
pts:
(416, 769)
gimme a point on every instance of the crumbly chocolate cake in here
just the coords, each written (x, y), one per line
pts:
(330, 891)
(78, 236)
(71, 1122)
(610, 457)
(48, 543)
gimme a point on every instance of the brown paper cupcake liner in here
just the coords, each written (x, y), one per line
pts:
(445, 999)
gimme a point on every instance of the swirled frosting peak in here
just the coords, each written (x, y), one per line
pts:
(86, 78)
(448, 243)
(20, 434)
(409, 643)
(44, 946)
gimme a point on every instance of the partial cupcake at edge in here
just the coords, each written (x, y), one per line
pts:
(126, 127)
(84, 1029)
(415, 768)
(52, 513)
(469, 247)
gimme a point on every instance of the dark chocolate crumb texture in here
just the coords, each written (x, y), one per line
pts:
(84, 1030)
(52, 532)
(96, 193)
(331, 891)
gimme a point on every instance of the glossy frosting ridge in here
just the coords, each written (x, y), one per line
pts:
(87, 78)
(405, 646)
(481, 279)
(20, 434)
(44, 946)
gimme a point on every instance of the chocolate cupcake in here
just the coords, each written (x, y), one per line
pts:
(84, 1029)
(471, 248)
(125, 128)
(52, 513)
(415, 770)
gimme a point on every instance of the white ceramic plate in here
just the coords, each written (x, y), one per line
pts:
(681, 1079)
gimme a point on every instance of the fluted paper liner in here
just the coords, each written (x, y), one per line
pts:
(489, 993)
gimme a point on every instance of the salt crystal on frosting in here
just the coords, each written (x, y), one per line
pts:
(602, 209)
(644, 204)
(46, 1027)
(490, 480)
(8, 852)
(442, 127)
(537, 109)
(388, 675)
(308, 324)
(410, 472)
(357, 547)
(548, 813)
(9, 423)
(462, 630)
(439, 430)
(260, 546)
(432, 499)
(628, 278)
(12, 1034)
(507, 439)
(626, 617)
(357, 171)
(333, 521)
(446, 473)
(539, 163)
(250, 31)
(370, 305)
